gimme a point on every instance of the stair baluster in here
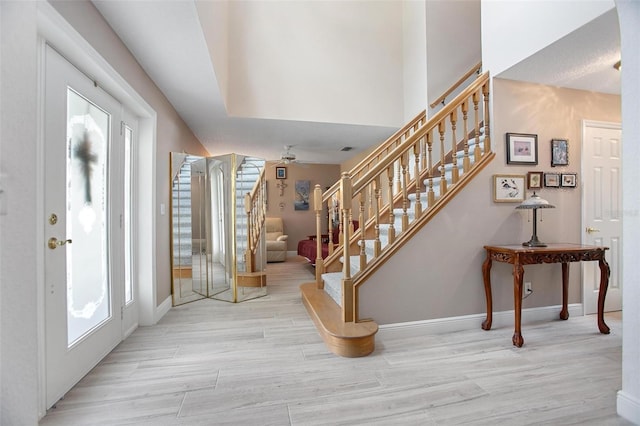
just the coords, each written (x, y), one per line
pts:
(453, 118)
(466, 163)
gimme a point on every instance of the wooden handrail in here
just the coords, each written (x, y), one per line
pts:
(457, 84)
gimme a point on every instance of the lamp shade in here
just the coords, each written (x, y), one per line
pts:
(535, 202)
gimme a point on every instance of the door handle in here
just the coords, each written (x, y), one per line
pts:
(591, 230)
(54, 243)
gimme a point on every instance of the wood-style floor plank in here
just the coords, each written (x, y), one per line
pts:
(262, 362)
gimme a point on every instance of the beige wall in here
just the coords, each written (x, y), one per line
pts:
(298, 224)
(438, 273)
(172, 134)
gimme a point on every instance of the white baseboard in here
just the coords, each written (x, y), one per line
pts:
(162, 309)
(628, 407)
(471, 322)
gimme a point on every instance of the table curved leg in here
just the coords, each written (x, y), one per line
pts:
(486, 275)
(564, 313)
(517, 339)
(518, 274)
(602, 294)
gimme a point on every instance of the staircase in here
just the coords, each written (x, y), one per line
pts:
(182, 226)
(250, 215)
(247, 175)
(396, 190)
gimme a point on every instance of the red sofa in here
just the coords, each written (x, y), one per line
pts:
(307, 248)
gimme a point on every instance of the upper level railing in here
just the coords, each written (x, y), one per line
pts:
(419, 171)
(474, 70)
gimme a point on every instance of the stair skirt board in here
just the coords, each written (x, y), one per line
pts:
(503, 319)
(350, 339)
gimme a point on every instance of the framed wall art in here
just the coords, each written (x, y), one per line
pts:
(303, 189)
(568, 180)
(281, 172)
(551, 180)
(508, 188)
(534, 180)
(559, 152)
(522, 148)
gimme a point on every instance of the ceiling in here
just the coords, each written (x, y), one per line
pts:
(581, 60)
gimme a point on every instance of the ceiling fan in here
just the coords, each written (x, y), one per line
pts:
(287, 157)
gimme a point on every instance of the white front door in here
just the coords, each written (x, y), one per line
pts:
(602, 209)
(83, 205)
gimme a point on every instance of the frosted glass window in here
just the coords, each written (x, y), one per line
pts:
(88, 289)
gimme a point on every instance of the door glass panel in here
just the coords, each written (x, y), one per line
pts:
(88, 289)
(128, 241)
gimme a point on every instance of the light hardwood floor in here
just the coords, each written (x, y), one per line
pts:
(262, 362)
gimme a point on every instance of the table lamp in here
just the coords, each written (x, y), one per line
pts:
(535, 202)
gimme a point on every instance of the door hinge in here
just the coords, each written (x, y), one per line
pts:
(122, 312)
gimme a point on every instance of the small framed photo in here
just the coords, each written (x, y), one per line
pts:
(281, 172)
(551, 180)
(522, 148)
(568, 180)
(559, 152)
(508, 188)
(534, 180)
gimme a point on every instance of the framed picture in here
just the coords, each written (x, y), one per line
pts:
(551, 180)
(281, 172)
(559, 152)
(534, 180)
(303, 189)
(522, 148)
(568, 180)
(508, 188)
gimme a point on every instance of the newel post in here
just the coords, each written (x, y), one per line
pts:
(317, 206)
(347, 283)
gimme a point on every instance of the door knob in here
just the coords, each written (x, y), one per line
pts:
(591, 230)
(54, 243)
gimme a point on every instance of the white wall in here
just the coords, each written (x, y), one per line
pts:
(18, 247)
(215, 26)
(328, 61)
(415, 58)
(629, 396)
(453, 48)
(515, 30)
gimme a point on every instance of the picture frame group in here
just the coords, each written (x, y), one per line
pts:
(560, 180)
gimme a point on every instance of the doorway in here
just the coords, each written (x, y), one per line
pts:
(88, 262)
(602, 209)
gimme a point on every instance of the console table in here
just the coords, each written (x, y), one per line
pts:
(519, 255)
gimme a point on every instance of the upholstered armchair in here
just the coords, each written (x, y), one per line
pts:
(276, 240)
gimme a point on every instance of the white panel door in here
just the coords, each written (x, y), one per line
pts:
(602, 209)
(82, 205)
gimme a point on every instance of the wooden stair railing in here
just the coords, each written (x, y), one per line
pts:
(424, 152)
(255, 208)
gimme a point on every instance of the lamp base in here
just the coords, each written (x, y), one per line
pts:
(534, 242)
